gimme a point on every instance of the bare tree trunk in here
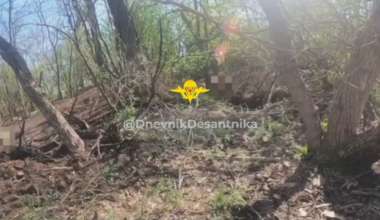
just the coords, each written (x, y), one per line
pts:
(40, 79)
(356, 86)
(54, 44)
(127, 38)
(9, 97)
(71, 92)
(10, 24)
(197, 19)
(94, 26)
(22, 100)
(94, 37)
(69, 137)
(376, 5)
(13, 40)
(289, 73)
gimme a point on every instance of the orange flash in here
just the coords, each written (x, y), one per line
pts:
(231, 26)
(221, 52)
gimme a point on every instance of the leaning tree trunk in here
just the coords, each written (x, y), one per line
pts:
(69, 137)
(289, 74)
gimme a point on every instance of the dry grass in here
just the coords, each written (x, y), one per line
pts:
(261, 176)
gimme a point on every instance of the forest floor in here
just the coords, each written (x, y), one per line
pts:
(240, 176)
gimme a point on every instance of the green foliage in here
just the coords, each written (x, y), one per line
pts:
(227, 198)
(110, 173)
(169, 190)
(126, 114)
(218, 155)
(268, 129)
(305, 150)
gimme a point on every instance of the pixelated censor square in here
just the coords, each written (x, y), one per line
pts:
(221, 86)
(7, 139)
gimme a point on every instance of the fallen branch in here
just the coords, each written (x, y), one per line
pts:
(97, 144)
(77, 119)
(365, 193)
(14, 59)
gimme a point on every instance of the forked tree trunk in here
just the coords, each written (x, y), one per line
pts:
(69, 137)
(341, 139)
(353, 92)
(355, 87)
(289, 74)
(357, 83)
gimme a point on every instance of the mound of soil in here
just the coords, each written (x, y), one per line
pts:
(89, 107)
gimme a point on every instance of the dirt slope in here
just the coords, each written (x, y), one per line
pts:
(89, 107)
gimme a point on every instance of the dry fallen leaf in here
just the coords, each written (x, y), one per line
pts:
(265, 138)
(332, 214)
(322, 205)
(302, 212)
(287, 163)
(317, 181)
(266, 187)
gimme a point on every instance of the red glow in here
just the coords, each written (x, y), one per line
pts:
(221, 52)
(231, 26)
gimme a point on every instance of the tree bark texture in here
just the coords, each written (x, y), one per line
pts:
(356, 85)
(127, 37)
(342, 141)
(69, 137)
(289, 74)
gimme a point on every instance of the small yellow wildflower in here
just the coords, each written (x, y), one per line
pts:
(324, 126)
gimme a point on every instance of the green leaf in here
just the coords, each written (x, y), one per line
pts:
(304, 150)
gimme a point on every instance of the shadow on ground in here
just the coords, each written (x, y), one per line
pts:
(321, 192)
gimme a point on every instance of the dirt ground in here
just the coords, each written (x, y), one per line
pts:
(259, 177)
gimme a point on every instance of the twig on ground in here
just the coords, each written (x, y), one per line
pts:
(59, 145)
(364, 193)
(111, 144)
(77, 119)
(350, 206)
(97, 144)
(258, 215)
(59, 168)
(93, 107)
